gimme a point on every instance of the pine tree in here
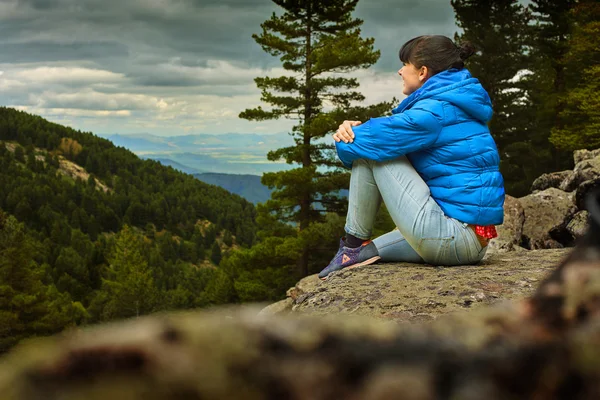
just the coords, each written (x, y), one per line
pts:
(219, 288)
(20, 154)
(498, 30)
(215, 253)
(27, 306)
(72, 274)
(578, 122)
(227, 238)
(129, 285)
(547, 41)
(317, 42)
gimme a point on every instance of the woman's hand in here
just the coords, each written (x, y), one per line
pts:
(344, 132)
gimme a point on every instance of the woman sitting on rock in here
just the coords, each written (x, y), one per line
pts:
(433, 163)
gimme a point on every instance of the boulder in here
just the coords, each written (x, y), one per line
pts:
(582, 155)
(585, 170)
(578, 226)
(510, 232)
(281, 307)
(545, 212)
(553, 179)
(583, 190)
(303, 286)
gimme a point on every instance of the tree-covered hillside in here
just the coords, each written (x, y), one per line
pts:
(90, 232)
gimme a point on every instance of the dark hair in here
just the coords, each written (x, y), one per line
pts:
(436, 52)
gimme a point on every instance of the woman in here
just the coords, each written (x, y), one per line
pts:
(433, 163)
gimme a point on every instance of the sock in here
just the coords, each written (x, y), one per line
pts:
(353, 242)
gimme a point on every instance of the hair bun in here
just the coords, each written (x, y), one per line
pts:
(466, 50)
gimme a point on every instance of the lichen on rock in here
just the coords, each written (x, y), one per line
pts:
(405, 292)
(510, 233)
(545, 211)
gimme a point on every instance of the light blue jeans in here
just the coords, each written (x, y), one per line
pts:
(423, 233)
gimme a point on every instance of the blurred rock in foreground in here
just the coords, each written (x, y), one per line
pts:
(542, 348)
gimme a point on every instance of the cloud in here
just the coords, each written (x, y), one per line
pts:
(70, 112)
(37, 51)
(70, 75)
(214, 73)
(89, 99)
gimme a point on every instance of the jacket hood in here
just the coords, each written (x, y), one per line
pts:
(457, 87)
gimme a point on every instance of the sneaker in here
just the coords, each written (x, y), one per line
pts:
(347, 257)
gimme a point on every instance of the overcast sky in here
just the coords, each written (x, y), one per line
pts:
(172, 67)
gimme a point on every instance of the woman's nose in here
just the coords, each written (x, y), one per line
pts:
(400, 71)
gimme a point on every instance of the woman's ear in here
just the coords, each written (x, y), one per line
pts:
(423, 74)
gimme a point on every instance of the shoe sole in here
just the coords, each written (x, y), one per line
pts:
(362, 264)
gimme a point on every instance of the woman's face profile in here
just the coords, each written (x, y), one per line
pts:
(412, 77)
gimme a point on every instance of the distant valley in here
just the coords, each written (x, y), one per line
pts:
(247, 186)
(234, 153)
(180, 167)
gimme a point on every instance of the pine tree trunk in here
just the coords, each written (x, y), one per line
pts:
(302, 264)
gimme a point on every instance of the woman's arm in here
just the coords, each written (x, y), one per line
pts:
(387, 138)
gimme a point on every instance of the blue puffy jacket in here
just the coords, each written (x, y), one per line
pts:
(442, 129)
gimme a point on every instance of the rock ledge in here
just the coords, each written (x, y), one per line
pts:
(411, 292)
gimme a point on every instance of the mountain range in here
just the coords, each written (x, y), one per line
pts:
(247, 186)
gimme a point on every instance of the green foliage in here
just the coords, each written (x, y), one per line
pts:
(266, 270)
(258, 273)
(318, 42)
(200, 287)
(215, 253)
(578, 123)
(72, 275)
(27, 306)
(548, 35)
(227, 238)
(20, 154)
(263, 284)
(220, 288)
(497, 30)
(129, 282)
